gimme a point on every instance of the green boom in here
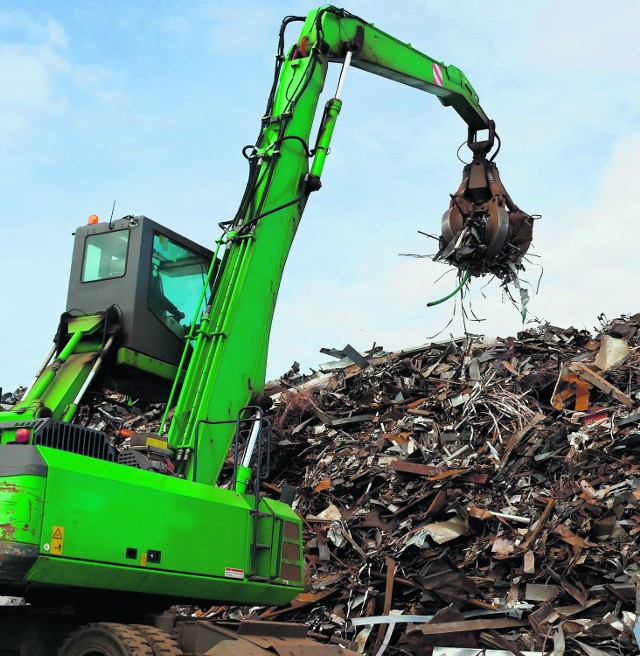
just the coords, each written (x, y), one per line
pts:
(229, 362)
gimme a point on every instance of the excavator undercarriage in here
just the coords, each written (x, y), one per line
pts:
(188, 636)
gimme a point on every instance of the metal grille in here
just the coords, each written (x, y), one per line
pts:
(133, 459)
(76, 439)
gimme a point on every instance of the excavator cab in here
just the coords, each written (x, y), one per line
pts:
(151, 277)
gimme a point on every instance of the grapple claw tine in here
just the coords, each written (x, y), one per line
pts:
(451, 224)
(497, 229)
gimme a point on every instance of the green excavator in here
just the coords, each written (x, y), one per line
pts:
(96, 538)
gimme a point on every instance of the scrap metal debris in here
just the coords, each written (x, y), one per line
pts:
(469, 495)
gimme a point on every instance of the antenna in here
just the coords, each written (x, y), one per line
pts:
(111, 217)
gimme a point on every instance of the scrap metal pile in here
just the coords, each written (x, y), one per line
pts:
(491, 491)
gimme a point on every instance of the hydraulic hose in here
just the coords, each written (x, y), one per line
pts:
(463, 282)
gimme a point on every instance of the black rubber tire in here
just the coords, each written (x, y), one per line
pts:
(105, 639)
(161, 643)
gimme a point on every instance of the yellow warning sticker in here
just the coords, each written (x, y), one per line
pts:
(57, 540)
(143, 559)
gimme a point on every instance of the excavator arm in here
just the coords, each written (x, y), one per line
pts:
(339, 33)
(227, 368)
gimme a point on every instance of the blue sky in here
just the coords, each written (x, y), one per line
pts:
(150, 103)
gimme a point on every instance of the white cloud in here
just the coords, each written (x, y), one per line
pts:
(28, 77)
(39, 78)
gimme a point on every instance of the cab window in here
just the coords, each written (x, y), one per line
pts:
(176, 281)
(105, 256)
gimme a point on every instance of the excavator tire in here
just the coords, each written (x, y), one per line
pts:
(161, 643)
(105, 639)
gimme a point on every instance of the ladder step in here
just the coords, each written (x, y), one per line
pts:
(262, 546)
(261, 579)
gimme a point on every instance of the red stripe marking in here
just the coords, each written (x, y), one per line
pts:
(437, 74)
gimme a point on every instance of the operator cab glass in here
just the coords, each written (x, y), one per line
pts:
(105, 256)
(176, 280)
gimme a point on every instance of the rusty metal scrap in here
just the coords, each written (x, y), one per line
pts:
(449, 480)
